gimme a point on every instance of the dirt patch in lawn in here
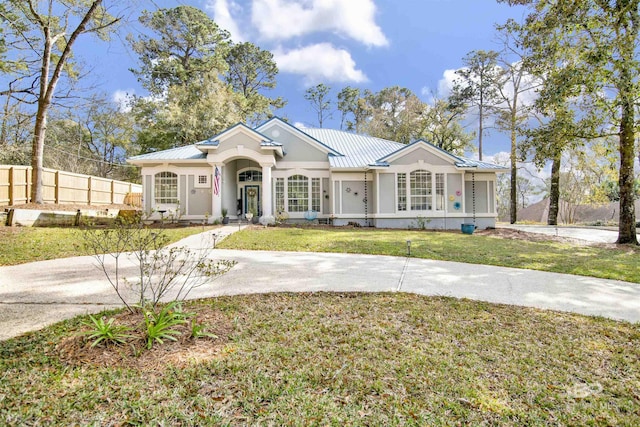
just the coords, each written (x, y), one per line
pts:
(509, 233)
(76, 350)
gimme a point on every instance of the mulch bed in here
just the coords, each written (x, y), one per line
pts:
(76, 350)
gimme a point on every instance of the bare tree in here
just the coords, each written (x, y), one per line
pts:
(50, 29)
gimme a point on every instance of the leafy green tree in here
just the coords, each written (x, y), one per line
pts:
(251, 71)
(593, 47)
(395, 114)
(188, 114)
(478, 86)
(351, 103)
(320, 99)
(49, 29)
(183, 45)
(441, 124)
(200, 83)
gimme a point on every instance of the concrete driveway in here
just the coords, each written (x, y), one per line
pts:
(589, 234)
(40, 293)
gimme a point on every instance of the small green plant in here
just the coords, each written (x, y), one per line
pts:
(422, 222)
(161, 325)
(197, 330)
(106, 331)
(225, 211)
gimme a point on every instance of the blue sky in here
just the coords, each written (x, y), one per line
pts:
(370, 44)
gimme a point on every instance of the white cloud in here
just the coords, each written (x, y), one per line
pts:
(122, 98)
(446, 83)
(284, 19)
(319, 63)
(222, 10)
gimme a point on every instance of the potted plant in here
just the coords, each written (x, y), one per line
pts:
(225, 218)
(254, 215)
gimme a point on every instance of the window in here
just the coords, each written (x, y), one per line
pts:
(202, 181)
(250, 175)
(166, 188)
(315, 194)
(440, 191)
(421, 192)
(279, 195)
(298, 193)
(402, 191)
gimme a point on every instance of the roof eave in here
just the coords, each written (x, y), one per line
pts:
(142, 162)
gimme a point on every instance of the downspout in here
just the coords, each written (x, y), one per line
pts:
(366, 200)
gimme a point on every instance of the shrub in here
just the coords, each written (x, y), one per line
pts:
(160, 325)
(161, 271)
(106, 332)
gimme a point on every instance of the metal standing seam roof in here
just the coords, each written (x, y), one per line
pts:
(188, 152)
(359, 151)
(470, 163)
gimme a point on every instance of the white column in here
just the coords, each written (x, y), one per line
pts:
(216, 199)
(266, 191)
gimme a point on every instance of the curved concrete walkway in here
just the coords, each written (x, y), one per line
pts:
(37, 294)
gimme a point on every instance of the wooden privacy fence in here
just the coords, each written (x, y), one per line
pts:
(65, 187)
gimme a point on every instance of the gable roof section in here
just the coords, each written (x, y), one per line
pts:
(445, 155)
(459, 162)
(331, 151)
(214, 141)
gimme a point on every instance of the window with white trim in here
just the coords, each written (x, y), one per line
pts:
(440, 191)
(202, 181)
(315, 194)
(297, 193)
(280, 195)
(421, 192)
(402, 191)
(250, 176)
(166, 188)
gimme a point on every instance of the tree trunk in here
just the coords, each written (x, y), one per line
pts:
(514, 176)
(554, 191)
(37, 154)
(627, 221)
(480, 120)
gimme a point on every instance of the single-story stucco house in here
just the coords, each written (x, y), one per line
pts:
(326, 174)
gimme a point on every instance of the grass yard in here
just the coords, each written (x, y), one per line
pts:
(339, 359)
(27, 244)
(608, 262)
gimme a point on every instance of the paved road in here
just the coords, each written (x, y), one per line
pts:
(40, 293)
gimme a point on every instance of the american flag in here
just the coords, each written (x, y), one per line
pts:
(216, 182)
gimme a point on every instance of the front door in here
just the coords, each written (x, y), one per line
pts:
(252, 199)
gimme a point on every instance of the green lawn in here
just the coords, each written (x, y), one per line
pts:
(27, 244)
(342, 359)
(622, 263)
